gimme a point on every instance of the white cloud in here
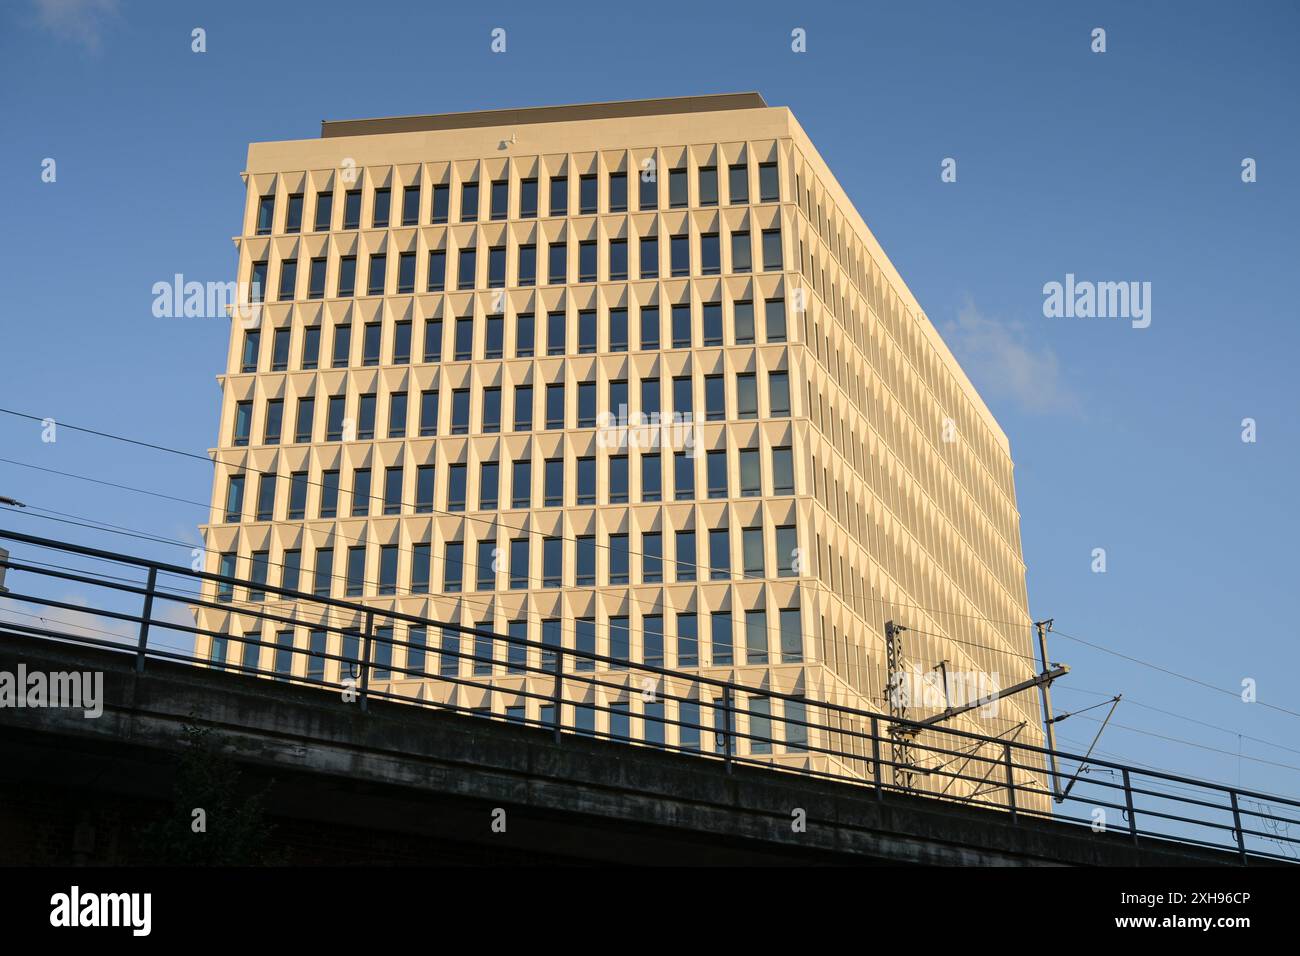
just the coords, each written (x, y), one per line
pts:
(1000, 361)
(80, 21)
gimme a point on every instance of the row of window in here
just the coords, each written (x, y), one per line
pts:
(492, 572)
(487, 419)
(580, 490)
(644, 641)
(592, 331)
(499, 199)
(526, 273)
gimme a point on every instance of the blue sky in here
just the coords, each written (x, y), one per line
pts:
(1118, 166)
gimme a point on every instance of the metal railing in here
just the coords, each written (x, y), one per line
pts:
(570, 691)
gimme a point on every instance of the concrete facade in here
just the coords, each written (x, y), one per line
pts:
(439, 314)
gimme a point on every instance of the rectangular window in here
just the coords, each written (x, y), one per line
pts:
(617, 333)
(619, 640)
(741, 256)
(652, 558)
(486, 579)
(688, 725)
(429, 412)
(316, 658)
(378, 274)
(302, 426)
(311, 347)
(258, 281)
(425, 482)
(406, 272)
(648, 193)
(555, 405)
(356, 571)
(791, 636)
(772, 250)
(497, 267)
(489, 475)
(688, 640)
(397, 415)
(677, 188)
(324, 574)
(416, 640)
(651, 478)
(500, 199)
(652, 640)
(720, 638)
(437, 270)
(552, 569)
(393, 490)
(553, 483)
(586, 491)
(433, 340)
(751, 546)
(523, 408)
(411, 206)
(266, 497)
(719, 554)
(274, 422)
(775, 315)
(519, 564)
(683, 476)
(463, 340)
(708, 185)
(297, 495)
(681, 318)
(686, 559)
(460, 411)
(557, 263)
(756, 637)
(649, 257)
(787, 547)
(528, 199)
(484, 649)
(469, 202)
(618, 192)
(441, 203)
(329, 494)
(585, 561)
(366, 417)
(401, 343)
(710, 254)
(528, 265)
(738, 183)
(559, 196)
(712, 314)
(760, 725)
(618, 479)
(265, 215)
(618, 559)
(235, 498)
(586, 404)
(453, 569)
(751, 481)
(383, 199)
(465, 269)
(491, 410)
(371, 334)
(456, 480)
(449, 659)
(388, 569)
(360, 492)
(347, 276)
(352, 209)
(587, 261)
(782, 471)
(768, 188)
(715, 467)
(587, 187)
(682, 403)
(587, 332)
(617, 260)
(421, 562)
(525, 334)
(715, 398)
(324, 211)
(521, 484)
(258, 575)
(778, 393)
(746, 396)
(334, 418)
(650, 337)
(288, 279)
(316, 279)
(284, 653)
(680, 255)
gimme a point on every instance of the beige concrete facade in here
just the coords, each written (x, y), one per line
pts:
(861, 478)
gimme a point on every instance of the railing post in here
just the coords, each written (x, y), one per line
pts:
(727, 743)
(1128, 802)
(875, 755)
(365, 659)
(1011, 780)
(145, 615)
(559, 691)
(1236, 822)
